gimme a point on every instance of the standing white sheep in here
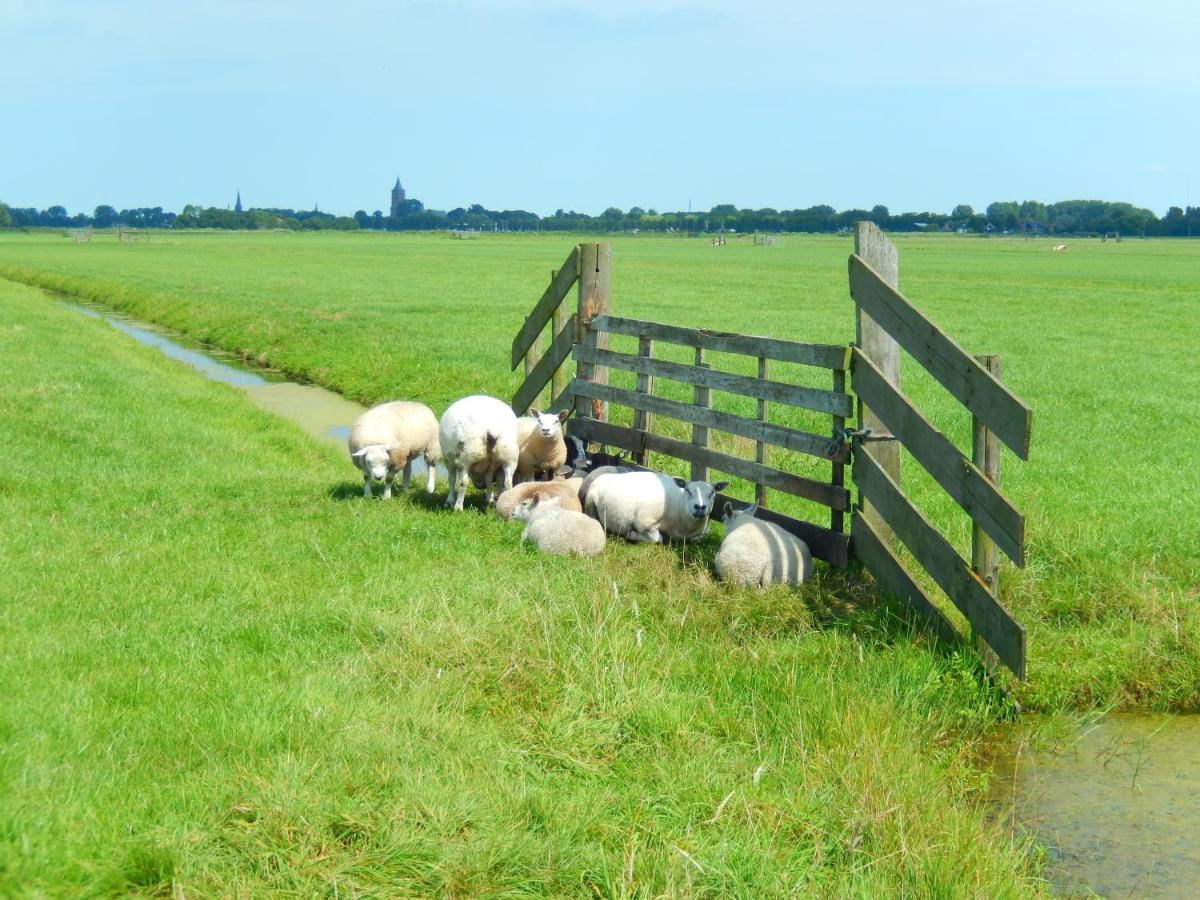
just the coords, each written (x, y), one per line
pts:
(478, 435)
(651, 507)
(758, 553)
(553, 529)
(388, 437)
(543, 449)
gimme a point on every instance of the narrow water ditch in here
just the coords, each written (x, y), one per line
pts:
(322, 414)
(1115, 803)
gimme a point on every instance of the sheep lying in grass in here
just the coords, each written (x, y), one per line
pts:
(543, 450)
(562, 532)
(651, 507)
(387, 438)
(478, 436)
(757, 553)
(565, 491)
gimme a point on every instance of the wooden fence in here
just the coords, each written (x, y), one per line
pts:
(886, 322)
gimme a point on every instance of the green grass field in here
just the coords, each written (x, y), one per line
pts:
(1095, 339)
(227, 675)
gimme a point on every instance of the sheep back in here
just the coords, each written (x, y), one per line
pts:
(563, 532)
(566, 492)
(755, 552)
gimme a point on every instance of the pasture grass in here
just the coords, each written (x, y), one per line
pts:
(227, 674)
(1097, 339)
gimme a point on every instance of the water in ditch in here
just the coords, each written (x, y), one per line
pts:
(322, 414)
(1114, 802)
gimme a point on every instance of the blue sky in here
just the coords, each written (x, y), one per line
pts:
(583, 105)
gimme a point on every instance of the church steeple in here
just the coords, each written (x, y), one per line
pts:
(397, 197)
(237, 207)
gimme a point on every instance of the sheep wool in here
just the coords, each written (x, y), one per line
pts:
(559, 531)
(756, 553)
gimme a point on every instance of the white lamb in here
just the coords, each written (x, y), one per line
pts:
(758, 553)
(543, 449)
(387, 438)
(562, 532)
(478, 435)
(565, 490)
(651, 507)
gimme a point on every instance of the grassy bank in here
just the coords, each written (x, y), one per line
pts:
(1094, 339)
(227, 674)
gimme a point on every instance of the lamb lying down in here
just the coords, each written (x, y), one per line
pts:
(562, 532)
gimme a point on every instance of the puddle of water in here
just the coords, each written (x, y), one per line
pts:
(1116, 805)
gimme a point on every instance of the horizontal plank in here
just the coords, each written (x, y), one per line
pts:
(776, 435)
(826, 356)
(830, 546)
(958, 371)
(544, 309)
(635, 441)
(806, 398)
(960, 478)
(936, 556)
(558, 354)
(890, 575)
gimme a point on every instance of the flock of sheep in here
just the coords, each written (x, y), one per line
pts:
(567, 500)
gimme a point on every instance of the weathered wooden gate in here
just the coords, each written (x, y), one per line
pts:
(886, 421)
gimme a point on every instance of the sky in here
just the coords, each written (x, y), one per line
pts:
(663, 104)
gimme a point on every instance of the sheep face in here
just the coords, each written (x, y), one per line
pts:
(525, 510)
(699, 496)
(549, 425)
(375, 460)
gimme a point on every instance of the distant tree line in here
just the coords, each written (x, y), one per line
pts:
(1005, 217)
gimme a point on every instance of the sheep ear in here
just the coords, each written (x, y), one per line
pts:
(727, 510)
(536, 413)
(358, 453)
(720, 485)
(679, 481)
(562, 416)
(392, 446)
(751, 510)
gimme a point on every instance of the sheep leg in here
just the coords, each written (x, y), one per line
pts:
(508, 476)
(387, 485)
(407, 475)
(367, 485)
(489, 482)
(650, 535)
(431, 479)
(452, 475)
(463, 478)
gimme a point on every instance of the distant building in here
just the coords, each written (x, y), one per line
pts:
(237, 207)
(397, 197)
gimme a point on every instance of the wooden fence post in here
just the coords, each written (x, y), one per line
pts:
(645, 385)
(877, 345)
(558, 381)
(760, 449)
(985, 453)
(701, 397)
(837, 521)
(595, 263)
(533, 355)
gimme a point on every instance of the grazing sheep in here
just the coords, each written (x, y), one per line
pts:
(756, 553)
(553, 529)
(478, 436)
(388, 437)
(565, 491)
(651, 507)
(543, 450)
